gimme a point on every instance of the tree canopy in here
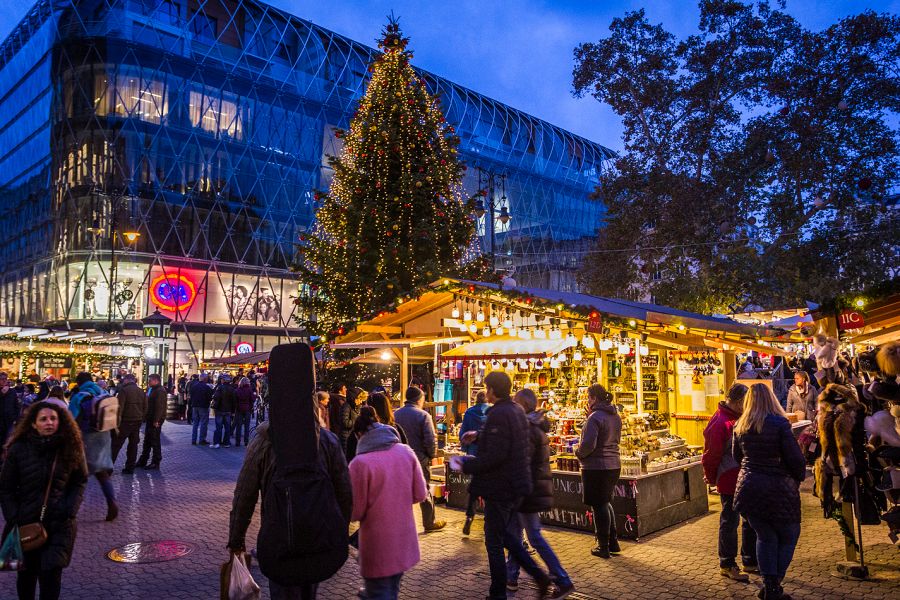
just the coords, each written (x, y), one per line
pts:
(760, 157)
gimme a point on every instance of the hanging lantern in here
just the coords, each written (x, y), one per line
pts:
(577, 356)
(624, 348)
(455, 313)
(540, 334)
(524, 334)
(513, 331)
(571, 339)
(494, 321)
(462, 327)
(485, 332)
(644, 351)
(606, 344)
(588, 341)
(467, 316)
(554, 364)
(562, 358)
(480, 316)
(473, 328)
(507, 322)
(499, 331)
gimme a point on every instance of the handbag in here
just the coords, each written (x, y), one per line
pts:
(235, 580)
(33, 535)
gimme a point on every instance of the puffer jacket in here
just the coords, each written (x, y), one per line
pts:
(541, 496)
(600, 438)
(23, 482)
(772, 467)
(259, 465)
(502, 469)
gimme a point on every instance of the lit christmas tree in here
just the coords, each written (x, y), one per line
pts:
(395, 219)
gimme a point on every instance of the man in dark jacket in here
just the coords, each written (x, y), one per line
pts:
(224, 403)
(721, 470)
(502, 477)
(157, 404)
(540, 499)
(419, 429)
(201, 396)
(132, 412)
(9, 408)
(473, 420)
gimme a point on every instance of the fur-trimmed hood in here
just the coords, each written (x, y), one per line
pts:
(835, 396)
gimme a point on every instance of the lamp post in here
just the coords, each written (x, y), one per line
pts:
(489, 181)
(128, 238)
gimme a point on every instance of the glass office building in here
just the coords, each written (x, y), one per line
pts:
(163, 154)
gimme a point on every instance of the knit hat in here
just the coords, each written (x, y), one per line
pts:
(737, 392)
(414, 394)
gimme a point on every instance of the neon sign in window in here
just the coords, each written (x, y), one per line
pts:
(173, 292)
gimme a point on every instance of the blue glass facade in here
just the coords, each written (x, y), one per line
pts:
(203, 126)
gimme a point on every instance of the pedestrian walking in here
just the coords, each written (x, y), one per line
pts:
(9, 408)
(501, 475)
(201, 397)
(294, 452)
(419, 430)
(540, 499)
(473, 420)
(132, 412)
(598, 452)
(224, 402)
(97, 444)
(246, 398)
(44, 459)
(322, 399)
(387, 481)
(721, 470)
(767, 492)
(157, 403)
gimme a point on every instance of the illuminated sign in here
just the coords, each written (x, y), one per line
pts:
(243, 348)
(851, 319)
(173, 292)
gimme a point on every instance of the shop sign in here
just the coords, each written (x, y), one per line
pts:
(243, 348)
(53, 362)
(851, 319)
(595, 324)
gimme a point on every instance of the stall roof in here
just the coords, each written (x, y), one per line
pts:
(249, 358)
(507, 347)
(882, 322)
(17, 332)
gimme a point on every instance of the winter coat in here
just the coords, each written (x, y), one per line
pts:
(502, 469)
(599, 446)
(23, 482)
(387, 481)
(772, 467)
(224, 399)
(348, 418)
(719, 467)
(802, 401)
(201, 395)
(9, 412)
(257, 470)
(541, 496)
(157, 404)
(419, 429)
(245, 398)
(473, 420)
(132, 403)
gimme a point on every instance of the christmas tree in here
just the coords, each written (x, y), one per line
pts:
(394, 219)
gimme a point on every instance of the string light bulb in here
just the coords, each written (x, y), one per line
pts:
(494, 321)
(455, 313)
(624, 348)
(644, 350)
(588, 342)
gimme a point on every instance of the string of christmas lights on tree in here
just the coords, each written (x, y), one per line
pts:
(395, 218)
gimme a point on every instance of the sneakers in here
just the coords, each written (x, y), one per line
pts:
(436, 526)
(562, 591)
(512, 586)
(734, 573)
(467, 528)
(600, 551)
(214, 446)
(225, 446)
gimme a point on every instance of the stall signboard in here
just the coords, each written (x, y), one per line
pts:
(56, 362)
(594, 324)
(851, 319)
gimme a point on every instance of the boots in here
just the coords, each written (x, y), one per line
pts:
(602, 548)
(772, 590)
(467, 527)
(112, 510)
(614, 547)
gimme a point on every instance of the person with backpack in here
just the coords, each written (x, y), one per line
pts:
(473, 420)
(246, 398)
(387, 481)
(300, 471)
(224, 403)
(721, 470)
(90, 413)
(157, 401)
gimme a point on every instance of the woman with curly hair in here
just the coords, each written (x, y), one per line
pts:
(45, 448)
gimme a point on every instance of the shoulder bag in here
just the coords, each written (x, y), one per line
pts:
(33, 535)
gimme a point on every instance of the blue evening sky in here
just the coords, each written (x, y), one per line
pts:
(517, 51)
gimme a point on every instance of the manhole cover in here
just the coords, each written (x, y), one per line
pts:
(150, 552)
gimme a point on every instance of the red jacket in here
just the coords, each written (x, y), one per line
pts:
(719, 467)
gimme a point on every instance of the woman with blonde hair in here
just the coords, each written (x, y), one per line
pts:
(767, 492)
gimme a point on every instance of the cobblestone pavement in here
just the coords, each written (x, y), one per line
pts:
(189, 500)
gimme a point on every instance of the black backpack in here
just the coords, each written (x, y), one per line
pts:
(303, 537)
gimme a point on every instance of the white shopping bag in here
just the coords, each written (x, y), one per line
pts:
(241, 585)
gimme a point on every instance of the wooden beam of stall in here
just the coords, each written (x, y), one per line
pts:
(384, 329)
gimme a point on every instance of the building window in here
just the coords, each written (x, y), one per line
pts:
(130, 96)
(216, 114)
(657, 275)
(205, 27)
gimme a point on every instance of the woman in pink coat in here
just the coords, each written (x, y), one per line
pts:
(387, 482)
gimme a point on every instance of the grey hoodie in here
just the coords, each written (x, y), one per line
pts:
(379, 437)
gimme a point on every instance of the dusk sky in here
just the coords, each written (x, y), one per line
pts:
(517, 51)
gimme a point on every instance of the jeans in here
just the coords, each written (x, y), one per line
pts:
(383, 588)
(498, 515)
(728, 536)
(599, 487)
(292, 592)
(775, 543)
(223, 428)
(241, 421)
(131, 431)
(531, 523)
(152, 445)
(427, 505)
(199, 420)
(50, 582)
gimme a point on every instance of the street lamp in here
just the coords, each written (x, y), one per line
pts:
(129, 236)
(489, 181)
